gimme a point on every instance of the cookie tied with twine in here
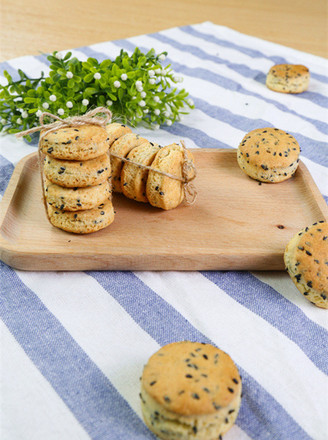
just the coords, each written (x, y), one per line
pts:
(99, 116)
(188, 173)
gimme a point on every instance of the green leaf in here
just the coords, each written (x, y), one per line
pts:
(88, 78)
(70, 83)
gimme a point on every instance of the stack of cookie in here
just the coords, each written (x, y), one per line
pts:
(76, 172)
(143, 185)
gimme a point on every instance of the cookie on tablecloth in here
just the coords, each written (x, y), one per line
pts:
(82, 222)
(162, 191)
(134, 178)
(75, 143)
(288, 78)
(72, 173)
(76, 199)
(268, 154)
(306, 260)
(190, 390)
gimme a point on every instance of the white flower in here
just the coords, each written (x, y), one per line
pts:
(97, 75)
(157, 112)
(158, 71)
(151, 73)
(190, 101)
(162, 57)
(152, 81)
(19, 121)
(45, 105)
(143, 94)
(155, 126)
(134, 97)
(108, 103)
(138, 84)
(24, 114)
(156, 98)
(3, 121)
(179, 79)
(146, 110)
(38, 113)
(117, 84)
(142, 103)
(60, 111)
(59, 56)
(169, 122)
(124, 77)
(85, 101)
(69, 104)
(140, 89)
(69, 75)
(52, 98)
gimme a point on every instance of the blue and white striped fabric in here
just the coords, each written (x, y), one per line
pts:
(74, 344)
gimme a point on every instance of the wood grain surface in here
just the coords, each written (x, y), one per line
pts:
(212, 234)
(29, 27)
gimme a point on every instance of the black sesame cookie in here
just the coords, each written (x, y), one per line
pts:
(306, 260)
(268, 154)
(72, 173)
(121, 147)
(288, 78)
(190, 390)
(162, 191)
(82, 222)
(134, 178)
(75, 199)
(75, 143)
(115, 131)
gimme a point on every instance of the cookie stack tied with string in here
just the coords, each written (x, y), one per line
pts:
(76, 173)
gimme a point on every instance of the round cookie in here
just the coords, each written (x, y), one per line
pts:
(268, 154)
(190, 390)
(134, 178)
(83, 222)
(306, 260)
(162, 191)
(75, 199)
(288, 78)
(75, 143)
(71, 173)
(115, 131)
(121, 147)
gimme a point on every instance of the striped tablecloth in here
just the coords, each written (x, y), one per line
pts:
(74, 344)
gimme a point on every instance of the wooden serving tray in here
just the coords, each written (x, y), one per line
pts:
(236, 223)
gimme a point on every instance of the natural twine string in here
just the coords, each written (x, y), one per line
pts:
(91, 117)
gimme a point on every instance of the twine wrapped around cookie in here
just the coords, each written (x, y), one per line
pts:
(189, 190)
(89, 118)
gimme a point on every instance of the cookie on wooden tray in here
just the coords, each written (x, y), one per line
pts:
(162, 191)
(288, 78)
(76, 199)
(70, 173)
(190, 390)
(134, 178)
(268, 154)
(121, 147)
(75, 143)
(83, 222)
(306, 260)
(115, 131)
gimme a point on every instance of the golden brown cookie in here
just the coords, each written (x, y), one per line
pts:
(83, 222)
(115, 131)
(306, 260)
(70, 173)
(75, 143)
(121, 147)
(288, 78)
(162, 191)
(76, 199)
(190, 390)
(268, 154)
(134, 178)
